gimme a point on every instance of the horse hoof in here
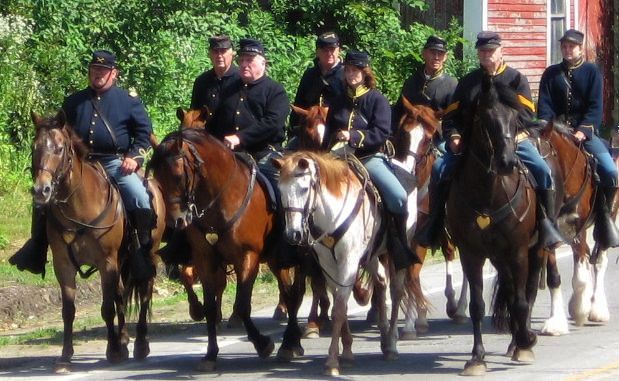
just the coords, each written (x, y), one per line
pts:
(62, 367)
(459, 319)
(311, 333)
(206, 366)
(347, 362)
(523, 355)
(408, 335)
(234, 322)
(288, 354)
(422, 328)
(333, 372)
(141, 350)
(474, 368)
(391, 356)
(196, 313)
(267, 350)
(280, 315)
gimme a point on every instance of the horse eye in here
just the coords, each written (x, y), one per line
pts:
(58, 150)
(303, 191)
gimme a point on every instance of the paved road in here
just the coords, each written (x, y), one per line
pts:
(587, 353)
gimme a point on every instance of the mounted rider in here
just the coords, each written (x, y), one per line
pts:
(361, 118)
(321, 83)
(114, 125)
(458, 117)
(571, 91)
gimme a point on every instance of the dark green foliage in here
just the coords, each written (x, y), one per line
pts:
(161, 46)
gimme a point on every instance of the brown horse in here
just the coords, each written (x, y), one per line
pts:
(576, 194)
(311, 133)
(212, 194)
(86, 225)
(415, 149)
(197, 119)
(491, 214)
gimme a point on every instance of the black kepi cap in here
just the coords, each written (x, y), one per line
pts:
(488, 39)
(219, 42)
(573, 35)
(436, 43)
(356, 58)
(251, 46)
(103, 58)
(328, 40)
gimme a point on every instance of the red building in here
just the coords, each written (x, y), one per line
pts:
(531, 29)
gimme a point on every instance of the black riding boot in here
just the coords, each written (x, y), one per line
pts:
(399, 246)
(142, 266)
(549, 235)
(33, 255)
(429, 234)
(605, 231)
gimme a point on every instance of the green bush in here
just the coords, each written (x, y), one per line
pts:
(162, 47)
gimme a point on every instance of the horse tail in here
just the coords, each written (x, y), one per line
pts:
(413, 291)
(500, 302)
(135, 293)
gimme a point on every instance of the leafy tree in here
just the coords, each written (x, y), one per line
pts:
(45, 46)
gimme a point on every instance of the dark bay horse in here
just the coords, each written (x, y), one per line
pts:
(414, 148)
(576, 194)
(212, 194)
(86, 225)
(491, 214)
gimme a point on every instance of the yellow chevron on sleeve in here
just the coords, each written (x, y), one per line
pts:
(526, 102)
(362, 139)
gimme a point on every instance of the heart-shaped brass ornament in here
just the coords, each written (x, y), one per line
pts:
(483, 221)
(211, 238)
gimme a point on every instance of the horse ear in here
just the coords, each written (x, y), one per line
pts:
(61, 117)
(407, 104)
(180, 114)
(205, 113)
(277, 163)
(303, 163)
(298, 110)
(36, 118)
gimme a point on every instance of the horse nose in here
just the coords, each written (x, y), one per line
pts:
(295, 237)
(41, 192)
(180, 223)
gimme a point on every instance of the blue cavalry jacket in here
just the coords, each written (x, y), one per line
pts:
(125, 115)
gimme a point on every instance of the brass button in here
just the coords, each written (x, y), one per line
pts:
(236, 128)
(93, 123)
(238, 113)
(96, 115)
(91, 142)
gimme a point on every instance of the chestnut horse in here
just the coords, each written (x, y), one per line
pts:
(491, 214)
(576, 192)
(215, 197)
(415, 149)
(86, 225)
(311, 133)
(197, 119)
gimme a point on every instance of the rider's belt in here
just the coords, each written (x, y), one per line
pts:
(523, 135)
(104, 156)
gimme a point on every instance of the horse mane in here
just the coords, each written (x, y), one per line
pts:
(58, 122)
(507, 96)
(333, 171)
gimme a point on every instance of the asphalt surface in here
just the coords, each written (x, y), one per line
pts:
(590, 352)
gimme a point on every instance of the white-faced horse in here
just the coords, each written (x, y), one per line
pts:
(329, 208)
(415, 152)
